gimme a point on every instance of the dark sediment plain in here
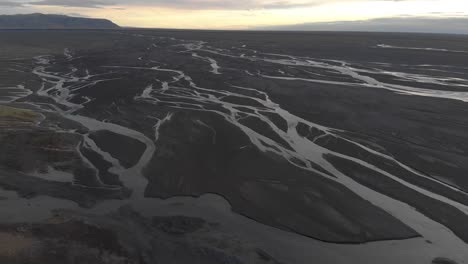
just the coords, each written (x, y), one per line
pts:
(233, 147)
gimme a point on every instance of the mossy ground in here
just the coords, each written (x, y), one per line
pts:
(16, 114)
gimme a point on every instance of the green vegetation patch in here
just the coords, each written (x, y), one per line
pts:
(17, 114)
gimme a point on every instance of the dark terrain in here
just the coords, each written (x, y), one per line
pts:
(135, 146)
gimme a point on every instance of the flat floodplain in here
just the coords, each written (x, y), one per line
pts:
(233, 147)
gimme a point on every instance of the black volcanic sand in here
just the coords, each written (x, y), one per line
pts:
(277, 193)
(122, 237)
(128, 151)
(198, 151)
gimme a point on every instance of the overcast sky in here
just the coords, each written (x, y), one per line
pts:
(238, 14)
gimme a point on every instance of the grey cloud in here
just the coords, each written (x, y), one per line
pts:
(288, 4)
(10, 4)
(73, 3)
(186, 4)
(192, 4)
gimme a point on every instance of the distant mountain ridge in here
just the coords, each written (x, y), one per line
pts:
(451, 25)
(43, 21)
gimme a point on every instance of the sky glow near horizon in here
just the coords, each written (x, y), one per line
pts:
(240, 14)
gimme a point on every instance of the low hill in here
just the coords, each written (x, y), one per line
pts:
(456, 25)
(42, 21)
